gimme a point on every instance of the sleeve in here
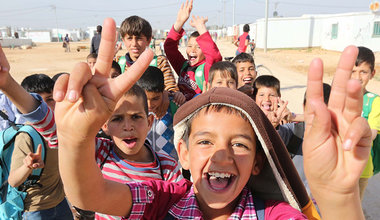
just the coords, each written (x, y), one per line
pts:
(169, 80)
(23, 146)
(42, 120)
(248, 37)
(285, 132)
(374, 115)
(281, 210)
(171, 49)
(210, 50)
(170, 168)
(156, 196)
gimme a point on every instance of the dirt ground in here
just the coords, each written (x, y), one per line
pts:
(289, 65)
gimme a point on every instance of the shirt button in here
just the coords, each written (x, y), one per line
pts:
(150, 193)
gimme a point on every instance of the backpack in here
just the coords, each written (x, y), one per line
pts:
(368, 98)
(11, 198)
(123, 62)
(199, 74)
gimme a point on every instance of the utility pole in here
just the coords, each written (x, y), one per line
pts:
(224, 13)
(233, 12)
(266, 25)
(56, 20)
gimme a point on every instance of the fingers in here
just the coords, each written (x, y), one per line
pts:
(354, 101)
(39, 150)
(319, 128)
(314, 91)
(60, 87)
(106, 48)
(341, 77)
(358, 136)
(80, 75)
(134, 72)
(4, 65)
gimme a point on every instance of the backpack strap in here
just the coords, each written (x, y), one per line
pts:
(5, 117)
(122, 63)
(199, 74)
(153, 62)
(259, 207)
(368, 99)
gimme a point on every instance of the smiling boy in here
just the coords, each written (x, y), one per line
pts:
(246, 69)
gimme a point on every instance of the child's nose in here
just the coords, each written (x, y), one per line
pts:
(221, 155)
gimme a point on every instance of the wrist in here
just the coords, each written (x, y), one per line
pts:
(178, 26)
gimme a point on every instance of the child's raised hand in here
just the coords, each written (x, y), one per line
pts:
(199, 23)
(4, 68)
(183, 15)
(179, 98)
(337, 139)
(34, 160)
(85, 101)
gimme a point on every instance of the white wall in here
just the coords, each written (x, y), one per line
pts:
(39, 36)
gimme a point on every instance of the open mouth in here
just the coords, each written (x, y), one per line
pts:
(220, 181)
(192, 59)
(248, 80)
(266, 106)
(130, 142)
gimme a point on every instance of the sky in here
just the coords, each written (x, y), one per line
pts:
(42, 14)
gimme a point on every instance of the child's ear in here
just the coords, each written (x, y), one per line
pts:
(258, 163)
(150, 120)
(183, 154)
(105, 128)
(373, 73)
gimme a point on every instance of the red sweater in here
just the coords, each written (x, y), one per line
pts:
(186, 78)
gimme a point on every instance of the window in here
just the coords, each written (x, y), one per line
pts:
(334, 31)
(376, 29)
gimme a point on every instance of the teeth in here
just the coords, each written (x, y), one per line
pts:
(219, 175)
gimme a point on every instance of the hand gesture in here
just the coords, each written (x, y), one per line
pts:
(85, 101)
(199, 23)
(278, 108)
(4, 68)
(183, 15)
(178, 98)
(34, 160)
(337, 140)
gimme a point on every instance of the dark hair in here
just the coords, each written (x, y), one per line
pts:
(242, 58)
(99, 29)
(136, 26)
(116, 67)
(326, 94)
(56, 76)
(92, 55)
(226, 68)
(152, 80)
(140, 93)
(266, 81)
(246, 28)
(365, 55)
(38, 83)
(194, 34)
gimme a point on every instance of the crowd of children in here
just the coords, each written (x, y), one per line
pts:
(217, 143)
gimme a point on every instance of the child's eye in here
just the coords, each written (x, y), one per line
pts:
(136, 116)
(204, 142)
(240, 145)
(116, 119)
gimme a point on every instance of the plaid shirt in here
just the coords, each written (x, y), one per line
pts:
(180, 201)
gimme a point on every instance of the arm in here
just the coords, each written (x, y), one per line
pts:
(92, 49)
(236, 42)
(171, 43)
(24, 161)
(337, 140)
(90, 101)
(207, 45)
(374, 117)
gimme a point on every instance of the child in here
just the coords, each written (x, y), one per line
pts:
(136, 34)
(47, 199)
(115, 70)
(223, 74)
(267, 96)
(201, 51)
(246, 69)
(91, 60)
(161, 134)
(364, 71)
(243, 40)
